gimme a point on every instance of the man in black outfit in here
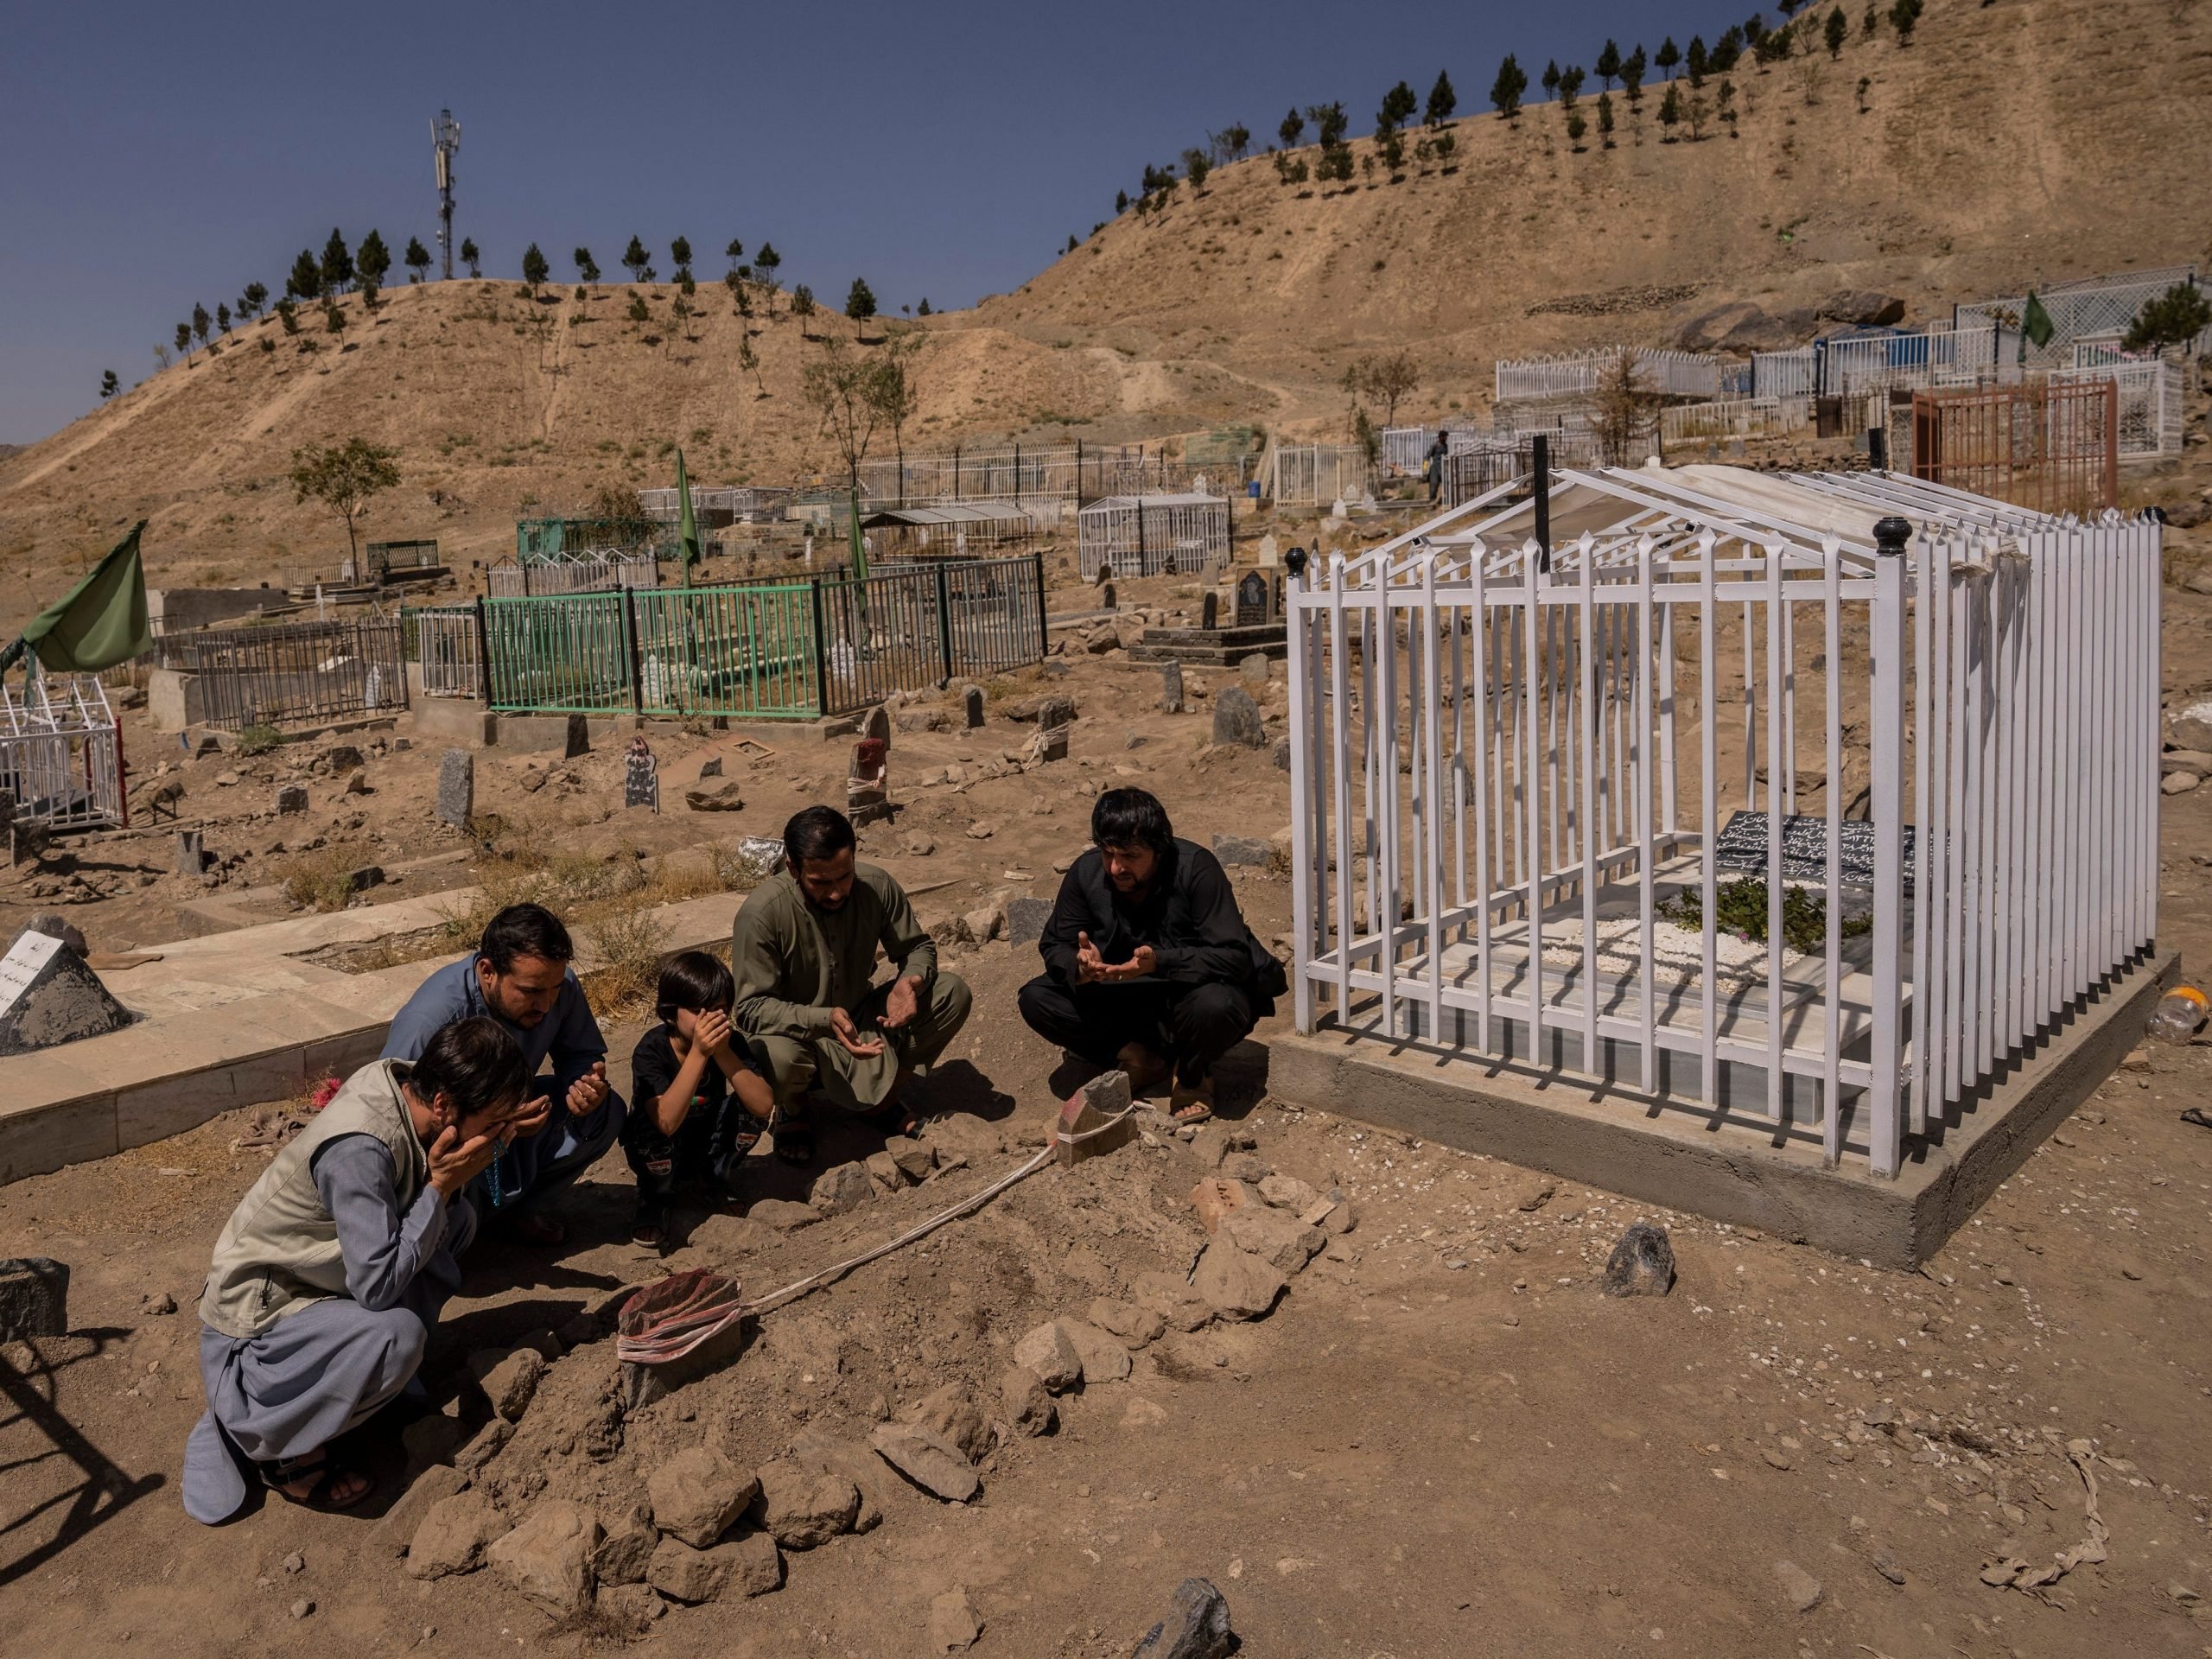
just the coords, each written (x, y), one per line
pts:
(1148, 964)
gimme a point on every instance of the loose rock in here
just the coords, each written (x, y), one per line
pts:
(923, 1457)
(1051, 1355)
(1234, 1283)
(548, 1558)
(1029, 1408)
(1137, 1327)
(954, 1624)
(1280, 1240)
(1641, 1264)
(1248, 850)
(508, 1379)
(952, 1413)
(1217, 1199)
(1287, 1192)
(782, 1215)
(454, 1535)
(749, 1564)
(1105, 1358)
(1236, 720)
(625, 1548)
(1197, 1626)
(842, 1189)
(800, 1508)
(1799, 1588)
(697, 1493)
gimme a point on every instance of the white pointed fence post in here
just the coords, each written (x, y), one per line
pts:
(1886, 676)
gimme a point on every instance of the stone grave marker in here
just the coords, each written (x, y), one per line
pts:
(1741, 845)
(456, 802)
(1106, 598)
(1236, 719)
(867, 789)
(1253, 668)
(191, 857)
(33, 1298)
(1171, 688)
(971, 706)
(48, 996)
(1210, 612)
(640, 776)
(1251, 599)
(1269, 553)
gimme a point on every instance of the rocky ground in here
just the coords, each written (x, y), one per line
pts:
(1440, 1436)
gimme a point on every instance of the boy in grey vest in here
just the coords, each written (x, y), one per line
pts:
(332, 1270)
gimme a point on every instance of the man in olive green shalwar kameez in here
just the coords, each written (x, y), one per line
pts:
(804, 953)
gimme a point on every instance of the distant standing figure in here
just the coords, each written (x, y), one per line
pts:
(1437, 453)
(1148, 964)
(803, 951)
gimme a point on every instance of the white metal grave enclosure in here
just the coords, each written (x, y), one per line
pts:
(61, 753)
(1807, 801)
(1146, 535)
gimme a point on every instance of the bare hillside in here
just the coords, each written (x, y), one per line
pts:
(2029, 140)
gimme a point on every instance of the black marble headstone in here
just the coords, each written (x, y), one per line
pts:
(1251, 599)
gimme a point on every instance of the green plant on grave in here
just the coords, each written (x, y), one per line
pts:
(1740, 907)
(259, 740)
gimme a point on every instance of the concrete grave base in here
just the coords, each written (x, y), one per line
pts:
(1730, 1171)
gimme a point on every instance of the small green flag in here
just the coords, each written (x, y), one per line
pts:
(686, 524)
(97, 624)
(2036, 324)
(860, 544)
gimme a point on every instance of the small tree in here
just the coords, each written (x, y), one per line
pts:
(256, 296)
(1442, 100)
(765, 263)
(748, 362)
(109, 385)
(1836, 32)
(1621, 408)
(860, 299)
(334, 320)
(1725, 101)
(1605, 119)
(1632, 70)
(1330, 122)
(802, 300)
(222, 318)
(1398, 107)
(2175, 318)
(1392, 150)
(1870, 20)
(534, 270)
(1388, 379)
(161, 358)
(1698, 63)
(840, 387)
(1667, 57)
(306, 281)
(373, 264)
(1292, 128)
(1196, 165)
(201, 323)
(896, 387)
(1864, 81)
(679, 252)
(345, 478)
(1697, 112)
(470, 257)
(337, 265)
(586, 267)
(1904, 17)
(923, 309)
(1551, 79)
(288, 314)
(734, 253)
(418, 260)
(1576, 126)
(639, 311)
(1670, 110)
(635, 258)
(1234, 141)
(1505, 92)
(1570, 85)
(1609, 64)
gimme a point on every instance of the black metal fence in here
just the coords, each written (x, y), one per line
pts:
(291, 671)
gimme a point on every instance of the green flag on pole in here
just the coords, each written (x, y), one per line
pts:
(2036, 327)
(860, 544)
(686, 524)
(97, 624)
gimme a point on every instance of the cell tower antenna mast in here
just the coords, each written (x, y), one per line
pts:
(445, 138)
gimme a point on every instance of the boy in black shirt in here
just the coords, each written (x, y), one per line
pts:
(699, 1105)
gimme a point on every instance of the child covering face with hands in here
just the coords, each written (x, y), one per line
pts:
(700, 1104)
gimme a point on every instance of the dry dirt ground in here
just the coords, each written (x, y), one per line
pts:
(1443, 1441)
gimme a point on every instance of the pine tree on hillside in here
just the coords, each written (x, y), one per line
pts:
(1505, 92)
(1606, 118)
(680, 251)
(1293, 129)
(1330, 122)
(1633, 69)
(1697, 62)
(734, 253)
(1905, 17)
(1551, 79)
(1667, 58)
(109, 385)
(534, 270)
(371, 263)
(767, 262)
(288, 314)
(255, 297)
(1398, 107)
(184, 339)
(418, 260)
(470, 257)
(1671, 109)
(222, 318)
(860, 300)
(923, 309)
(306, 281)
(1570, 86)
(1609, 64)
(201, 323)
(1442, 100)
(1837, 31)
(634, 259)
(337, 263)
(586, 267)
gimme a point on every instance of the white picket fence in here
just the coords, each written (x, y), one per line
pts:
(2150, 403)
(1508, 838)
(1316, 474)
(1577, 374)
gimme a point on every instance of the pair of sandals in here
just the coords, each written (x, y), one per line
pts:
(331, 1486)
(795, 1141)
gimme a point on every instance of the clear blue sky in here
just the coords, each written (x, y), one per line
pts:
(156, 155)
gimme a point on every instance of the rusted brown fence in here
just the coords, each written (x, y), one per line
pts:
(2052, 447)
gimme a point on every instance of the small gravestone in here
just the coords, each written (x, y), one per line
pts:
(1251, 599)
(34, 1298)
(1106, 600)
(640, 776)
(1254, 668)
(456, 802)
(291, 797)
(1025, 919)
(1210, 612)
(1742, 845)
(877, 727)
(971, 707)
(1269, 553)
(1171, 688)
(191, 857)
(710, 767)
(1283, 754)
(1641, 1264)
(48, 996)
(867, 789)
(1236, 720)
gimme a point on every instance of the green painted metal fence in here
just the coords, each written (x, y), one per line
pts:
(778, 650)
